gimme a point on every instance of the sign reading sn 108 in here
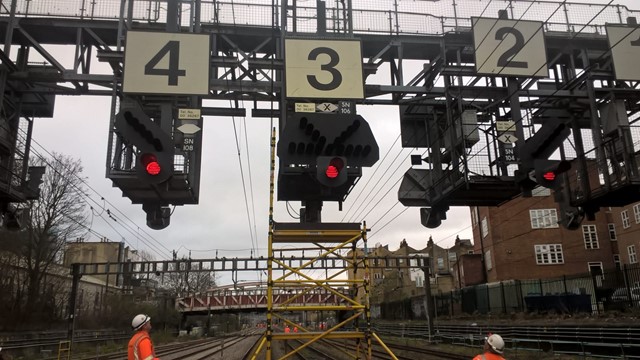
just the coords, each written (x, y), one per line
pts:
(176, 63)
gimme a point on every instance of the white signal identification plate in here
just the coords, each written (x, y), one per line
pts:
(326, 69)
(509, 47)
(166, 63)
(624, 42)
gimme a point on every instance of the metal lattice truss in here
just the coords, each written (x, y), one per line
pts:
(427, 50)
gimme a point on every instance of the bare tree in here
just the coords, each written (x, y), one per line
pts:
(56, 217)
(187, 282)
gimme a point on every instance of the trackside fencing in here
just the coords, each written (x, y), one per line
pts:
(614, 289)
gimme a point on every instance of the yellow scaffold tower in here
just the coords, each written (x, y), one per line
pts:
(332, 284)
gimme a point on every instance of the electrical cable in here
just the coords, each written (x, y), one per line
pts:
(244, 187)
(370, 177)
(78, 191)
(573, 37)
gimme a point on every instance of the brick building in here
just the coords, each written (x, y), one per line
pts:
(623, 228)
(395, 280)
(522, 240)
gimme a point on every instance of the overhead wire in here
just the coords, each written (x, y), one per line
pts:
(244, 186)
(542, 99)
(503, 67)
(573, 37)
(364, 187)
(78, 191)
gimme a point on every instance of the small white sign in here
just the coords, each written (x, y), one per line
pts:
(509, 47)
(505, 126)
(509, 154)
(305, 107)
(189, 114)
(189, 129)
(188, 144)
(327, 107)
(508, 138)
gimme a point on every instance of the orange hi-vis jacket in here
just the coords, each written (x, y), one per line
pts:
(141, 347)
(488, 356)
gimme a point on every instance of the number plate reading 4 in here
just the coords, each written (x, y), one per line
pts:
(166, 63)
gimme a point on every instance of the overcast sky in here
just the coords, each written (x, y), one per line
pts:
(219, 225)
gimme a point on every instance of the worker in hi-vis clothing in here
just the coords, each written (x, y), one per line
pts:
(140, 345)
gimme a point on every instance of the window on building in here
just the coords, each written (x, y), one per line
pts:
(485, 227)
(616, 261)
(636, 213)
(612, 232)
(544, 218)
(595, 268)
(419, 281)
(470, 252)
(474, 216)
(631, 250)
(440, 263)
(452, 257)
(590, 236)
(625, 219)
(487, 260)
(549, 254)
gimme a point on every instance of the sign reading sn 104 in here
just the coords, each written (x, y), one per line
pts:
(179, 63)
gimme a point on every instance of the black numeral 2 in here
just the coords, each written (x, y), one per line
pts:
(505, 59)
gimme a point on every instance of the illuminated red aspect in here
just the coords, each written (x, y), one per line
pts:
(549, 176)
(151, 164)
(332, 172)
(333, 169)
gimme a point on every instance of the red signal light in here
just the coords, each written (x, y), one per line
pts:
(549, 176)
(334, 167)
(151, 164)
(332, 172)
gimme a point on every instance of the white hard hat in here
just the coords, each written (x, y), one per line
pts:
(139, 321)
(496, 343)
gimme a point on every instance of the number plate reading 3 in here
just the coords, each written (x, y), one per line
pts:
(327, 69)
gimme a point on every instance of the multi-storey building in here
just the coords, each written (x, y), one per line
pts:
(392, 279)
(522, 240)
(99, 252)
(623, 228)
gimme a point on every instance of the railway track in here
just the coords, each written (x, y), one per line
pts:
(594, 342)
(336, 350)
(194, 350)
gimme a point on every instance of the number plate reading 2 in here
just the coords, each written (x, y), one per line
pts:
(166, 63)
(327, 69)
(624, 42)
(509, 47)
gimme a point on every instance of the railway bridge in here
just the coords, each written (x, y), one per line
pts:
(251, 297)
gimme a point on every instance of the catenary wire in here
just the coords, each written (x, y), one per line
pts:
(81, 193)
